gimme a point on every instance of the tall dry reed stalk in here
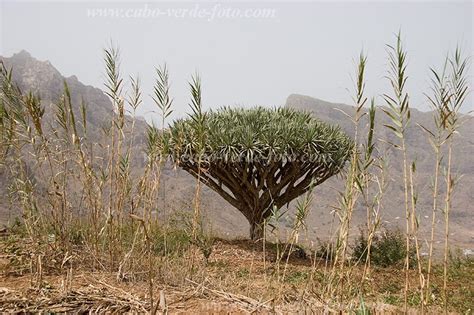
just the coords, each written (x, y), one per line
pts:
(459, 89)
(356, 181)
(199, 118)
(399, 114)
(439, 100)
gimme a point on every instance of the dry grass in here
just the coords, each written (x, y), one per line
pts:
(234, 280)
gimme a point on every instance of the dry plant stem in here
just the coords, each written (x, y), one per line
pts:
(290, 249)
(39, 272)
(407, 257)
(407, 221)
(369, 239)
(150, 260)
(197, 202)
(373, 210)
(352, 197)
(414, 223)
(446, 227)
(127, 256)
(433, 221)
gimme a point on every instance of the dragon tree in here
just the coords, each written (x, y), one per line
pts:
(258, 159)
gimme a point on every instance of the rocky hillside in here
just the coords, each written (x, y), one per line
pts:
(41, 78)
(421, 152)
(177, 188)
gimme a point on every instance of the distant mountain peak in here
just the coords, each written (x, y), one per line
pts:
(294, 96)
(306, 102)
(24, 59)
(43, 78)
(334, 111)
(22, 54)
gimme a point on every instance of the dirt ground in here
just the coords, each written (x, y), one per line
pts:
(236, 280)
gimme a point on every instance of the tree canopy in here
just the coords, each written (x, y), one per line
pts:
(258, 158)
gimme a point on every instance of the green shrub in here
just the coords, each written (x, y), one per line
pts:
(388, 249)
(193, 233)
(296, 277)
(170, 241)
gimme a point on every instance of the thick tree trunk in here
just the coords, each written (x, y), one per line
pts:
(256, 231)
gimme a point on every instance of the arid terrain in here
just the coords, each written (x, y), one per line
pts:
(239, 278)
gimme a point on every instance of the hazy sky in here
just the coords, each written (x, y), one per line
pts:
(300, 47)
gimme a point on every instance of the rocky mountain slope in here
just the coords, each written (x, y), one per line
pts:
(177, 188)
(41, 78)
(421, 152)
